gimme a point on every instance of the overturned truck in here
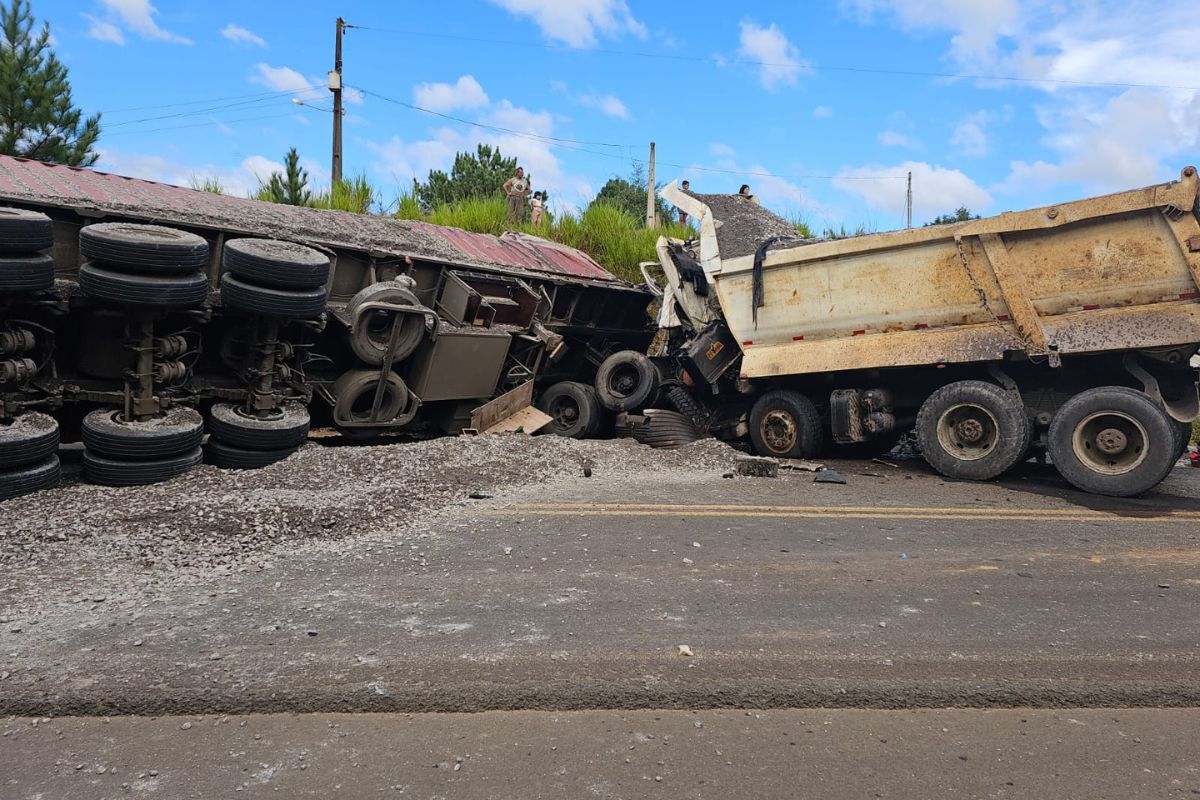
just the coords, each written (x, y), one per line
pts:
(138, 317)
(1069, 330)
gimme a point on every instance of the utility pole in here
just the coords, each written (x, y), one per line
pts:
(335, 86)
(651, 220)
(908, 205)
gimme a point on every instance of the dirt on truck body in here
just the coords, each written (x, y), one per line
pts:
(1069, 329)
(137, 316)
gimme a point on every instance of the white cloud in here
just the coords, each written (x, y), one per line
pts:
(894, 139)
(977, 25)
(608, 104)
(822, 112)
(577, 22)
(777, 59)
(721, 150)
(463, 93)
(238, 181)
(286, 79)
(133, 15)
(936, 189)
(103, 30)
(970, 135)
(239, 35)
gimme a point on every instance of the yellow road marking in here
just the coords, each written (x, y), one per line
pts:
(800, 512)
(1041, 513)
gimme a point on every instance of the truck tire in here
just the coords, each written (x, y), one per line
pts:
(30, 273)
(44, 474)
(23, 232)
(1184, 432)
(174, 433)
(574, 410)
(228, 456)
(786, 424)
(143, 249)
(287, 428)
(658, 428)
(165, 291)
(973, 430)
(626, 381)
(1113, 440)
(685, 403)
(105, 471)
(280, 265)
(239, 295)
(354, 394)
(370, 338)
(28, 439)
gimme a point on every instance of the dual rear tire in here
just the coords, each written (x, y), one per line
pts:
(119, 452)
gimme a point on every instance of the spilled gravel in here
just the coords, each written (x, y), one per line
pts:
(320, 495)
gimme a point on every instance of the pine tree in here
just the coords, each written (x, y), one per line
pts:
(289, 187)
(37, 117)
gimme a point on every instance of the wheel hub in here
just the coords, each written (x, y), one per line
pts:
(565, 413)
(778, 430)
(969, 430)
(1111, 441)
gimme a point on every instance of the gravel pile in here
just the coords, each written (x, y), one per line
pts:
(744, 224)
(212, 517)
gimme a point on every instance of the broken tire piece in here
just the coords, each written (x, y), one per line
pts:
(627, 380)
(173, 433)
(829, 476)
(28, 439)
(166, 291)
(29, 273)
(277, 264)
(286, 427)
(786, 424)
(227, 456)
(23, 231)
(150, 249)
(372, 329)
(239, 295)
(30, 478)
(574, 410)
(354, 397)
(658, 427)
(106, 471)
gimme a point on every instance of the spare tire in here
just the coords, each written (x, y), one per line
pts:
(658, 427)
(177, 431)
(227, 456)
(239, 295)
(282, 265)
(106, 471)
(574, 410)
(23, 231)
(166, 291)
(373, 329)
(354, 395)
(627, 381)
(30, 273)
(150, 249)
(28, 439)
(286, 428)
(30, 478)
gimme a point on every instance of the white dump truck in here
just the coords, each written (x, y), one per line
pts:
(1069, 329)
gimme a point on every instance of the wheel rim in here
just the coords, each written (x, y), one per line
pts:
(565, 413)
(779, 431)
(968, 432)
(623, 380)
(1110, 442)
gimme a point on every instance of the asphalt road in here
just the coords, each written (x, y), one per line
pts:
(897, 590)
(1093, 754)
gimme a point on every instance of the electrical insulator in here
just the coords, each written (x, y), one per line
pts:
(169, 371)
(15, 341)
(171, 346)
(17, 370)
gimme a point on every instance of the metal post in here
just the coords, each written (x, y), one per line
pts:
(651, 222)
(909, 203)
(263, 394)
(335, 86)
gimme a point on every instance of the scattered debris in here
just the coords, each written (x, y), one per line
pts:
(800, 465)
(684, 650)
(756, 467)
(885, 463)
(829, 476)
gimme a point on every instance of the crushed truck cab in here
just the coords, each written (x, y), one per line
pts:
(862, 333)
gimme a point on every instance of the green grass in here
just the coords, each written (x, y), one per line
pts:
(355, 194)
(204, 183)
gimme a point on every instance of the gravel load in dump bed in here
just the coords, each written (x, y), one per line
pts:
(217, 517)
(744, 224)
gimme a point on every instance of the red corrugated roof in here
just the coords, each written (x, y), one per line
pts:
(103, 194)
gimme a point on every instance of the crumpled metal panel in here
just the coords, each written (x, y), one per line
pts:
(100, 193)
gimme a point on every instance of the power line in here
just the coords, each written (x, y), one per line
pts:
(210, 110)
(202, 124)
(790, 64)
(159, 106)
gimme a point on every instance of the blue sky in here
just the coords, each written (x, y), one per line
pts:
(818, 106)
